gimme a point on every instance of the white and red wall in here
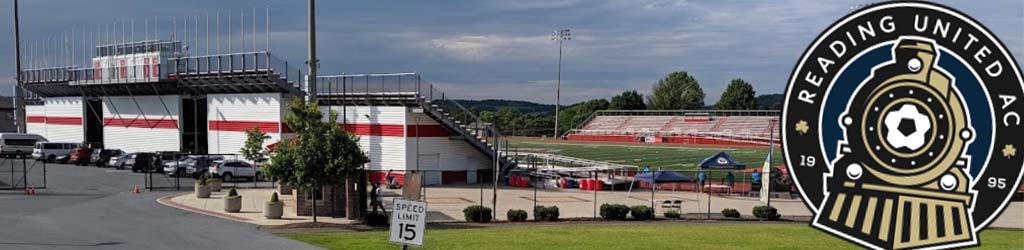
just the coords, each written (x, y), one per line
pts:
(229, 115)
(141, 123)
(399, 140)
(59, 119)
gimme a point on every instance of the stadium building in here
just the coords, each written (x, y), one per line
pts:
(152, 95)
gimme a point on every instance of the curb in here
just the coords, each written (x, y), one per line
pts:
(168, 201)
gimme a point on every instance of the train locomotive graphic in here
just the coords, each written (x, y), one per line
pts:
(900, 180)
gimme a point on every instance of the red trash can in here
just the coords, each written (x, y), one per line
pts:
(561, 183)
(598, 184)
(584, 184)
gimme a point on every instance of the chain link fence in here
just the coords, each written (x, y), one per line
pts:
(179, 171)
(579, 194)
(22, 173)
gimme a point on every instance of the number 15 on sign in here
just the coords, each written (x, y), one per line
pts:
(408, 221)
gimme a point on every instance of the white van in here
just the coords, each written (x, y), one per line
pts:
(53, 151)
(18, 144)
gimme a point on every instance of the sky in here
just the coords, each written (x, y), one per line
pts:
(477, 49)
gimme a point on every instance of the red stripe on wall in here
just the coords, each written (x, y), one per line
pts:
(375, 129)
(242, 126)
(358, 129)
(141, 123)
(35, 119)
(427, 131)
(59, 120)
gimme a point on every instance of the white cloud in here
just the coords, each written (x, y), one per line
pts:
(487, 47)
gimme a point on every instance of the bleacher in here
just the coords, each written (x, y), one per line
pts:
(686, 127)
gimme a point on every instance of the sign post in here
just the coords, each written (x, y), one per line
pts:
(408, 222)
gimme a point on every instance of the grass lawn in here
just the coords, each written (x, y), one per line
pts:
(666, 157)
(625, 236)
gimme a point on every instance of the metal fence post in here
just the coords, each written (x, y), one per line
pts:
(595, 194)
(24, 176)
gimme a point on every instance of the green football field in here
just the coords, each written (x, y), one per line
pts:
(671, 157)
(624, 236)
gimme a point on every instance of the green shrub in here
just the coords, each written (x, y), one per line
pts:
(477, 213)
(641, 212)
(542, 213)
(232, 193)
(516, 215)
(766, 212)
(673, 214)
(273, 198)
(730, 213)
(614, 211)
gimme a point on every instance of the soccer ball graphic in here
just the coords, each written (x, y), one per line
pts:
(907, 127)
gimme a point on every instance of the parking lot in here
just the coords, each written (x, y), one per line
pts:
(96, 208)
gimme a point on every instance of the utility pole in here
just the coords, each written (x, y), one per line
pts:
(312, 62)
(559, 35)
(19, 95)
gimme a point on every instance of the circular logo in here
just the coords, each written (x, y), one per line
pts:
(900, 126)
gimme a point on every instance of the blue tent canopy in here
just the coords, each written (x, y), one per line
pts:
(663, 177)
(721, 160)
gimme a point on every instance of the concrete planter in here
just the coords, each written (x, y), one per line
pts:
(273, 210)
(232, 204)
(214, 184)
(202, 191)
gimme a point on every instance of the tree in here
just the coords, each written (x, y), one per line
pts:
(678, 90)
(770, 101)
(739, 95)
(321, 153)
(252, 150)
(578, 113)
(627, 100)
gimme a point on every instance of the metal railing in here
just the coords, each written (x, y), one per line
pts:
(47, 75)
(352, 89)
(259, 62)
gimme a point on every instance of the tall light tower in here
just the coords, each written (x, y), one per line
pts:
(313, 63)
(19, 95)
(560, 36)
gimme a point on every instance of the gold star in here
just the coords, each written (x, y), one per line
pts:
(1009, 151)
(801, 126)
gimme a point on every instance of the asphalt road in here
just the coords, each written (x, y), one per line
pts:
(94, 208)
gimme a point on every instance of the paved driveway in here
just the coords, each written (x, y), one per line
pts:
(94, 208)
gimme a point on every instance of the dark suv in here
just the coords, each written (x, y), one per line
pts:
(143, 162)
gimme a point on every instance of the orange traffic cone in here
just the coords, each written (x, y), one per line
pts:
(136, 189)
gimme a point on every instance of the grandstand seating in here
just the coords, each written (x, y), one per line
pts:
(721, 128)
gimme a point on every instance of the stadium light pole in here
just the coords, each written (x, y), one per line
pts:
(313, 63)
(560, 36)
(19, 95)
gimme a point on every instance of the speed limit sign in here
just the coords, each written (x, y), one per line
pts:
(408, 221)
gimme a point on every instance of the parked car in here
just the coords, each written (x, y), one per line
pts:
(118, 160)
(141, 162)
(162, 157)
(178, 167)
(231, 169)
(15, 144)
(53, 151)
(80, 156)
(201, 165)
(103, 156)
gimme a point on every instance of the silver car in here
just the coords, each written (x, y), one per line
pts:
(119, 161)
(182, 166)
